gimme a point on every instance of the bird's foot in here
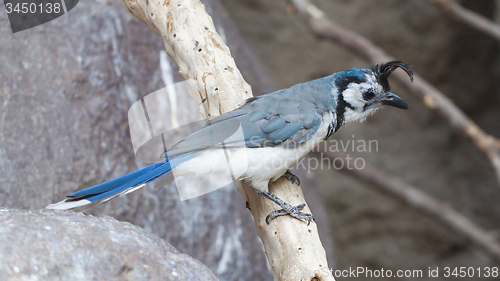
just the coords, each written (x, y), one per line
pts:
(291, 177)
(293, 211)
(286, 209)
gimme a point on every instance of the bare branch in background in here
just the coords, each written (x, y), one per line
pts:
(204, 61)
(421, 201)
(454, 10)
(433, 98)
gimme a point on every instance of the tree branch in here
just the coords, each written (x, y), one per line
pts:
(454, 10)
(421, 201)
(293, 249)
(432, 97)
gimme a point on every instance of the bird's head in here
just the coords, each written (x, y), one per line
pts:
(361, 92)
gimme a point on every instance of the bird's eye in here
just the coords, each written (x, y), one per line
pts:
(368, 95)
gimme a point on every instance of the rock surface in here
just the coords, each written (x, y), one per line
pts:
(64, 245)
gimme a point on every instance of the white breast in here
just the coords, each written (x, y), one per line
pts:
(258, 165)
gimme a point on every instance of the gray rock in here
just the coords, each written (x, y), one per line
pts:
(57, 245)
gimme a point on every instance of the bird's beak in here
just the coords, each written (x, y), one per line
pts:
(393, 100)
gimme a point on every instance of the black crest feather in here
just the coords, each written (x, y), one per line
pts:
(382, 71)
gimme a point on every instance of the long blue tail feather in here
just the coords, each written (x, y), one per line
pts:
(103, 192)
(128, 180)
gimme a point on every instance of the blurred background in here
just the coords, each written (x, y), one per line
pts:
(66, 87)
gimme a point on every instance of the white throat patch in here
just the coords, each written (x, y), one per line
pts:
(353, 96)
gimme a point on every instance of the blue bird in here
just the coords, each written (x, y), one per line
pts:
(280, 127)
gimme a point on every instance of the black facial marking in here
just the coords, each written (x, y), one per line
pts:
(341, 105)
(368, 95)
(350, 106)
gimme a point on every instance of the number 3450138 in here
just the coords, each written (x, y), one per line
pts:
(33, 8)
(471, 272)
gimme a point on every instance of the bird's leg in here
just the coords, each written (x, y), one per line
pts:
(286, 208)
(291, 177)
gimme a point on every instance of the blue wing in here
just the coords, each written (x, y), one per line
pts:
(264, 122)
